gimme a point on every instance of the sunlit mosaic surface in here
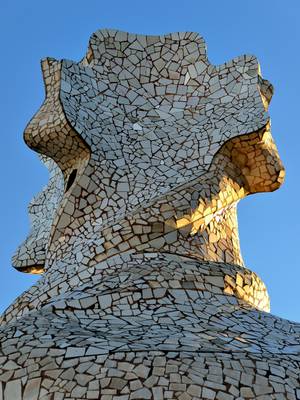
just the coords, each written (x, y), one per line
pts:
(143, 291)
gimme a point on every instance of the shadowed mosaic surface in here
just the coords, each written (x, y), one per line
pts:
(144, 293)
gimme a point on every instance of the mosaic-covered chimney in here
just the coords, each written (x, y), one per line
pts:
(143, 291)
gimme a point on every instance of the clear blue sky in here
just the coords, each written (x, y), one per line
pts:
(270, 29)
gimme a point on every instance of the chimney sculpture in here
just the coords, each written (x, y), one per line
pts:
(143, 292)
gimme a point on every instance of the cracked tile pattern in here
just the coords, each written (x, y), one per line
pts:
(143, 291)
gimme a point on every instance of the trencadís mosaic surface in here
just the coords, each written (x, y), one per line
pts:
(143, 291)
